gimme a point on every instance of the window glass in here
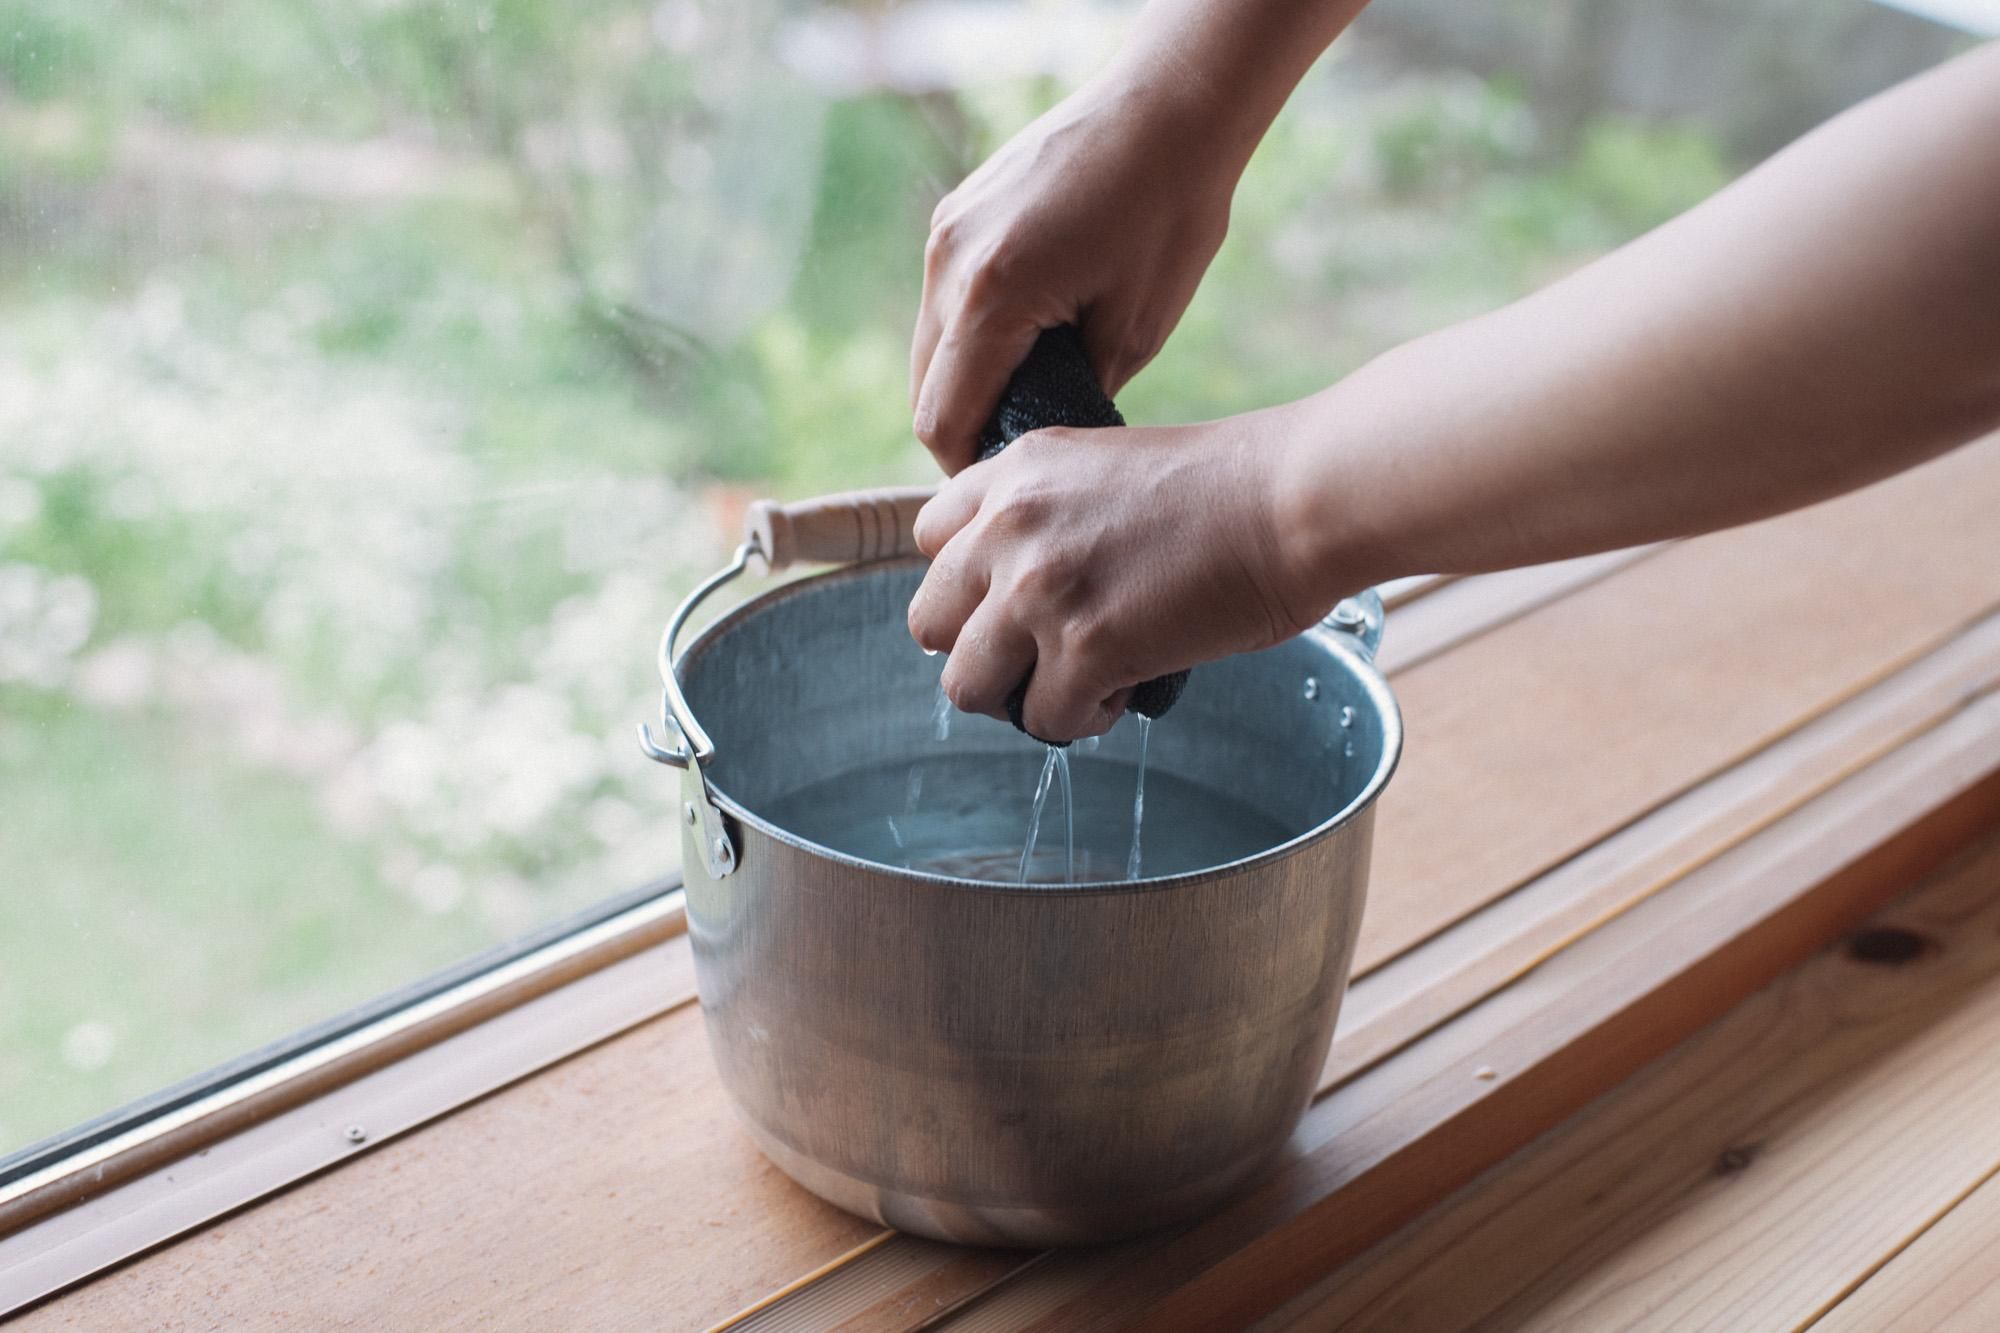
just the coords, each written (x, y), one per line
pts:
(376, 374)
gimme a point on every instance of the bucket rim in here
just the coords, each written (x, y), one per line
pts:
(1340, 644)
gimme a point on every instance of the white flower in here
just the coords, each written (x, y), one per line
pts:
(119, 675)
(89, 1045)
(437, 889)
(45, 619)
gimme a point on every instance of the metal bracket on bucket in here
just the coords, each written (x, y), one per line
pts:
(718, 853)
(687, 746)
(1360, 618)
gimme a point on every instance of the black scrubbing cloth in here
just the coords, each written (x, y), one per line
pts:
(1054, 387)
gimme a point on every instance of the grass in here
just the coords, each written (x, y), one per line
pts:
(190, 907)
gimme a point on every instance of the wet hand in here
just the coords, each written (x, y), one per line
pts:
(1104, 213)
(1087, 561)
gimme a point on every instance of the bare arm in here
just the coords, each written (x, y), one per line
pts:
(1829, 319)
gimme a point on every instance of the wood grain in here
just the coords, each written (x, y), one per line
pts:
(1947, 1280)
(1449, 614)
(1535, 740)
(1751, 1177)
(281, 1149)
(1501, 942)
(1424, 1121)
(613, 1189)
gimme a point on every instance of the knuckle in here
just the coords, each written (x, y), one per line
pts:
(919, 623)
(963, 694)
(945, 211)
(991, 275)
(1052, 583)
(1088, 638)
(930, 422)
(1141, 341)
(1019, 509)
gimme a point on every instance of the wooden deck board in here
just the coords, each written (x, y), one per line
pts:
(1540, 737)
(1748, 1179)
(1946, 1281)
(614, 1184)
(1487, 949)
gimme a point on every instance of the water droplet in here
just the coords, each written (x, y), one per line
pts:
(1348, 749)
(930, 652)
(1312, 687)
(1346, 716)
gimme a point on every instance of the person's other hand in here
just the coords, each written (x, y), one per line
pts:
(1097, 559)
(1103, 213)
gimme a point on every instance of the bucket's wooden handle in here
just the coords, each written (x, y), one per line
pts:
(842, 529)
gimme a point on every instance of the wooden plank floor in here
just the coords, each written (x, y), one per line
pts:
(1841, 1122)
(1591, 748)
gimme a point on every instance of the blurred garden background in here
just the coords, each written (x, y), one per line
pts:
(376, 374)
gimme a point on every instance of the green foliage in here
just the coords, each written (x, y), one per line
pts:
(1448, 137)
(865, 261)
(193, 907)
(1638, 176)
(838, 407)
(44, 49)
(151, 573)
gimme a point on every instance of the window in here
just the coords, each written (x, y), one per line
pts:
(375, 376)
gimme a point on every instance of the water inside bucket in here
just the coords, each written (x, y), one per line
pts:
(975, 808)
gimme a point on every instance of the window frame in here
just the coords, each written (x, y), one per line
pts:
(206, 1116)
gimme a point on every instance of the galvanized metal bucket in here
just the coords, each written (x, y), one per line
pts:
(983, 1062)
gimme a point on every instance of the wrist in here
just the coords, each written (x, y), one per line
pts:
(1335, 497)
(1226, 70)
(1208, 140)
(1206, 101)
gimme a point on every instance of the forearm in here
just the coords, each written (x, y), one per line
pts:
(1828, 320)
(1230, 65)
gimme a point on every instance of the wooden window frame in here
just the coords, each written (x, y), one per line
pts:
(110, 1189)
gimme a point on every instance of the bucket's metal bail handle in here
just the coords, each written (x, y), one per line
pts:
(686, 745)
(1360, 617)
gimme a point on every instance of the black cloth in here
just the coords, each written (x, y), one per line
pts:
(1055, 387)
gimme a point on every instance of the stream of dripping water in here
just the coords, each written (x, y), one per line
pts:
(1055, 767)
(1132, 858)
(941, 729)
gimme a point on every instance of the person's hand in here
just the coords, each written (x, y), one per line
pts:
(1104, 213)
(1097, 559)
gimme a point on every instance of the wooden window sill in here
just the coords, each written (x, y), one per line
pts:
(1638, 789)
